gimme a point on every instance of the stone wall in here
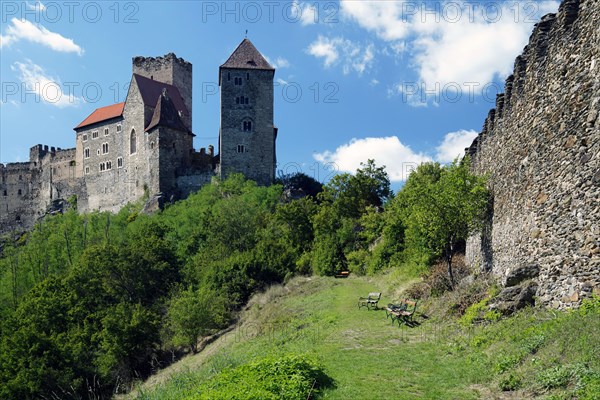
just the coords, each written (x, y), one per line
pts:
(541, 149)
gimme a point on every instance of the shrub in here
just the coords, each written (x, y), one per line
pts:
(418, 290)
(509, 383)
(292, 377)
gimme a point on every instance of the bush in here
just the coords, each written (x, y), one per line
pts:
(292, 377)
(419, 291)
(437, 277)
(509, 383)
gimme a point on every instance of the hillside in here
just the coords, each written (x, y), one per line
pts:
(534, 354)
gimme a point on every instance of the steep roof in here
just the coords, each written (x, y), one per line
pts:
(247, 57)
(151, 90)
(102, 114)
(166, 115)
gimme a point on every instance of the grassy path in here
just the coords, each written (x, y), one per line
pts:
(368, 358)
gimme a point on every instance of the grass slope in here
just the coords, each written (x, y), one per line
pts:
(536, 354)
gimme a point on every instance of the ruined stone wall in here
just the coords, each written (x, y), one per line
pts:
(541, 149)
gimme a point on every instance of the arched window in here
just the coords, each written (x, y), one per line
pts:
(132, 142)
(19, 192)
(247, 126)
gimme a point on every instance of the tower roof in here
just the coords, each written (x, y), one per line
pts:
(166, 115)
(151, 90)
(102, 114)
(246, 56)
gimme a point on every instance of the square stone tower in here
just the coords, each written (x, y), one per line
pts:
(247, 137)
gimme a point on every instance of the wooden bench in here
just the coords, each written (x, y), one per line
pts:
(342, 274)
(403, 314)
(371, 300)
(395, 308)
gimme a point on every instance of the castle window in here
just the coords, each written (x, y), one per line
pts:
(104, 148)
(95, 135)
(241, 148)
(20, 177)
(237, 100)
(152, 145)
(19, 192)
(87, 170)
(109, 165)
(247, 126)
(247, 100)
(105, 131)
(6, 194)
(228, 76)
(118, 128)
(238, 81)
(84, 137)
(86, 152)
(102, 167)
(247, 76)
(120, 162)
(132, 142)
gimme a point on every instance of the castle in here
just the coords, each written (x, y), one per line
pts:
(144, 146)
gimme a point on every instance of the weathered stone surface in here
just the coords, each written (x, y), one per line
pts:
(521, 274)
(541, 149)
(514, 298)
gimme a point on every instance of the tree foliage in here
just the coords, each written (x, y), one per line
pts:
(90, 302)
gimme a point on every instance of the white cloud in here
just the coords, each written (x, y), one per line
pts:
(278, 63)
(4, 41)
(281, 62)
(26, 30)
(451, 42)
(37, 6)
(309, 13)
(47, 88)
(454, 145)
(398, 158)
(325, 48)
(352, 56)
(388, 19)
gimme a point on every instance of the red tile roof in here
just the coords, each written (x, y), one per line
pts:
(102, 114)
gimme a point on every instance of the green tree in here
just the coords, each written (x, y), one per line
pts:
(195, 313)
(443, 205)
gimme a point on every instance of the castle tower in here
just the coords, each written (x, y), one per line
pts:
(247, 136)
(172, 70)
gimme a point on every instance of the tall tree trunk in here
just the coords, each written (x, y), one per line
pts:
(449, 252)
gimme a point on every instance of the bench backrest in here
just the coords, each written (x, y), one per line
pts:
(412, 305)
(374, 296)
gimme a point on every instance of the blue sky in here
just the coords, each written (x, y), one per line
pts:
(398, 81)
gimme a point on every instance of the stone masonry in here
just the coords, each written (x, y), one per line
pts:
(540, 147)
(144, 146)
